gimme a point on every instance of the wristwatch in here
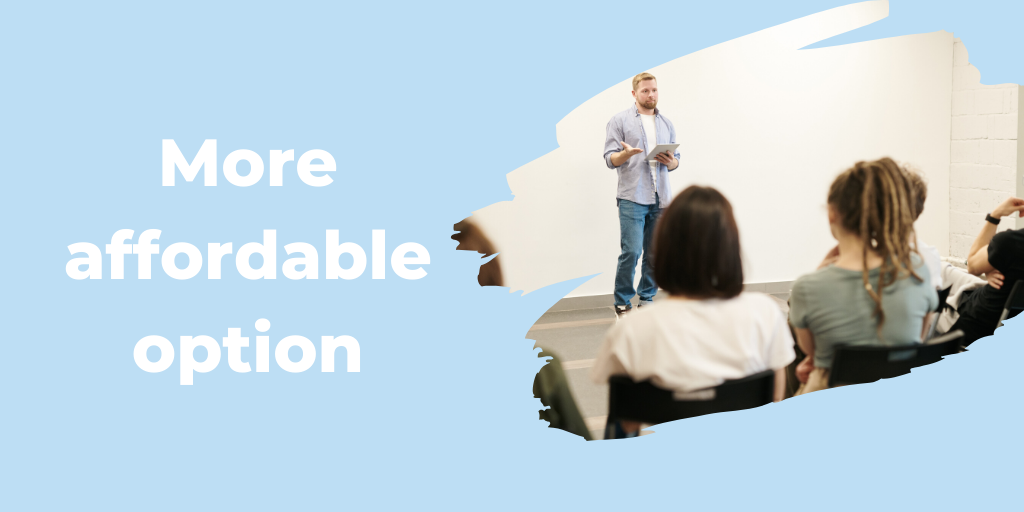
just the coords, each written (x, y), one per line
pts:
(990, 218)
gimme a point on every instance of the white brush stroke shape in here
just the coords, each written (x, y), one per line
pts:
(766, 123)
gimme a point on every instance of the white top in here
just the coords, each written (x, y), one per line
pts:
(651, 133)
(687, 345)
(933, 261)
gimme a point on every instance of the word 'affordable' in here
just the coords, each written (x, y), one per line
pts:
(234, 343)
(304, 266)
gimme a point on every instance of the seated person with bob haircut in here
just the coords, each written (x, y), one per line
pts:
(708, 330)
(878, 290)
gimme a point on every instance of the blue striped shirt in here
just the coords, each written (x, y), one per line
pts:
(636, 182)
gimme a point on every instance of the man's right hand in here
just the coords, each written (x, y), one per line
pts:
(626, 153)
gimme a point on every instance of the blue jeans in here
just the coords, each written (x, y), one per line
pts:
(636, 232)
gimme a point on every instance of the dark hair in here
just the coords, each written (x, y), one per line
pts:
(697, 246)
(472, 238)
(875, 201)
(920, 192)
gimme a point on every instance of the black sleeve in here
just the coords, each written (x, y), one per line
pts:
(1006, 249)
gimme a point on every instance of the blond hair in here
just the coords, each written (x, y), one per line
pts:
(640, 78)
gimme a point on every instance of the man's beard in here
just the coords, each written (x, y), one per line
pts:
(650, 104)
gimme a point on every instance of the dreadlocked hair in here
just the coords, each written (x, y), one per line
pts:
(876, 201)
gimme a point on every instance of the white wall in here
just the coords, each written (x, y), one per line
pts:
(767, 124)
(983, 152)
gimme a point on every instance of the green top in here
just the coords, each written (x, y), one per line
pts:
(552, 388)
(834, 305)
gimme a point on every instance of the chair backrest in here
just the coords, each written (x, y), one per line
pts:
(646, 403)
(1015, 302)
(863, 364)
(943, 295)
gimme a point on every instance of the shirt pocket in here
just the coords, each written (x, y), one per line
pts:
(635, 137)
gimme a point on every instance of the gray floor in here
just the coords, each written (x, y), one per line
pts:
(575, 337)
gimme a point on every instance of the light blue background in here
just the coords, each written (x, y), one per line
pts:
(442, 415)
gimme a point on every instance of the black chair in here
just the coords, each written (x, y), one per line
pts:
(646, 403)
(860, 365)
(1014, 303)
(943, 295)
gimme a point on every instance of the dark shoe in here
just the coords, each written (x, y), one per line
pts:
(622, 311)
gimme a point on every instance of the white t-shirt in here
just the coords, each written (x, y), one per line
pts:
(688, 345)
(932, 260)
(651, 133)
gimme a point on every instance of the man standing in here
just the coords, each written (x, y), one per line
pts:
(643, 186)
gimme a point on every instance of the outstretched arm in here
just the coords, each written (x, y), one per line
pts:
(616, 151)
(627, 152)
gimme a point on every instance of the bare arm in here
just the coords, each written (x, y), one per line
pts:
(780, 385)
(977, 259)
(805, 340)
(626, 153)
(927, 325)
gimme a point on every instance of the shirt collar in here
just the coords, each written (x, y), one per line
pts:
(636, 111)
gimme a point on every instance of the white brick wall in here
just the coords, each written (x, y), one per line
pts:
(983, 151)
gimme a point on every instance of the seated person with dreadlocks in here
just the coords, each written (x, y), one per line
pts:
(878, 290)
(929, 253)
(1001, 258)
